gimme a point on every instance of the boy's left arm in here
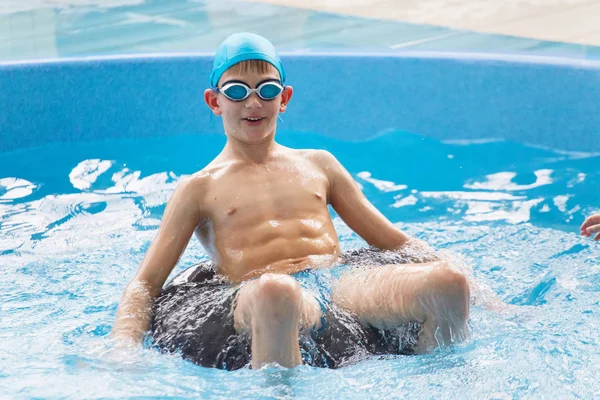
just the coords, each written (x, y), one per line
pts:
(362, 217)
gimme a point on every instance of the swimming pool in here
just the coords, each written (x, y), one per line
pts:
(92, 150)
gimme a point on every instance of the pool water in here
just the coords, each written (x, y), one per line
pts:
(77, 218)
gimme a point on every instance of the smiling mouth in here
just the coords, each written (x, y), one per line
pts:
(255, 119)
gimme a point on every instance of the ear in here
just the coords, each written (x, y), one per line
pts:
(211, 100)
(286, 96)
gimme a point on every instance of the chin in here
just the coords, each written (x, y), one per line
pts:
(256, 137)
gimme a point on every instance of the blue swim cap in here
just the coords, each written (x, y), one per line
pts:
(242, 47)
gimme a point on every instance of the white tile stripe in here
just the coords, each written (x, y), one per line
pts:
(425, 40)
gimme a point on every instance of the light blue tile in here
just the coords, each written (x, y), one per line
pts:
(479, 42)
(181, 25)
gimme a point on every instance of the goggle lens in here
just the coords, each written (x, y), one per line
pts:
(235, 92)
(269, 91)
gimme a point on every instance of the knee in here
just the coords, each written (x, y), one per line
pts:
(446, 277)
(278, 293)
(450, 284)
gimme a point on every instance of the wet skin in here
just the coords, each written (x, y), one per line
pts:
(261, 211)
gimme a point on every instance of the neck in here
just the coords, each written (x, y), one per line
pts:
(257, 153)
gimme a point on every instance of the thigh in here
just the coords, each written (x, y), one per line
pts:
(192, 316)
(386, 296)
(244, 305)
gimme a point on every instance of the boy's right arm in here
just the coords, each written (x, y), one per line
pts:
(181, 216)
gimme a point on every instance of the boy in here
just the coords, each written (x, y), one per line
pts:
(261, 212)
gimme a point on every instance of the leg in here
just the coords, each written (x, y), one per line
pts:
(273, 308)
(391, 295)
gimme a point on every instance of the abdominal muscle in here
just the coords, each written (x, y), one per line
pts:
(248, 253)
(287, 266)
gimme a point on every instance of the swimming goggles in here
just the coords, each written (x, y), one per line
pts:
(239, 91)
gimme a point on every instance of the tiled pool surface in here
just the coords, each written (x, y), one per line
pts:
(571, 21)
(71, 28)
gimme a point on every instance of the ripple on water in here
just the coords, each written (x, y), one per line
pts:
(15, 188)
(66, 256)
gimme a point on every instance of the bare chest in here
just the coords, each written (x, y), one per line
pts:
(267, 195)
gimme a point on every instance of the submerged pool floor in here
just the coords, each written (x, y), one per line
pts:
(71, 28)
(76, 220)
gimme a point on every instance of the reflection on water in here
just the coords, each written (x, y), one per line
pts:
(384, 186)
(15, 188)
(503, 181)
(87, 171)
(546, 190)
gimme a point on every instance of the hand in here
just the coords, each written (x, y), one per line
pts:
(122, 352)
(121, 341)
(590, 226)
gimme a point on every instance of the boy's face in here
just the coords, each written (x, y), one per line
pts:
(236, 114)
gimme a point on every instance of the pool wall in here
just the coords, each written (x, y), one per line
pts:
(549, 102)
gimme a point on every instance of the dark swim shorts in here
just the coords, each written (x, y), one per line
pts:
(193, 316)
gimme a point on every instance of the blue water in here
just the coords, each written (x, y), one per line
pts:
(77, 218)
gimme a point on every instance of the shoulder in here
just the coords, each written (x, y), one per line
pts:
(188, 194)
(196, 186)
(328, 165)
(193, 183)
(202, 179)
(322, 158)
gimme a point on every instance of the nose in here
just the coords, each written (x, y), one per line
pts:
(253, 101)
